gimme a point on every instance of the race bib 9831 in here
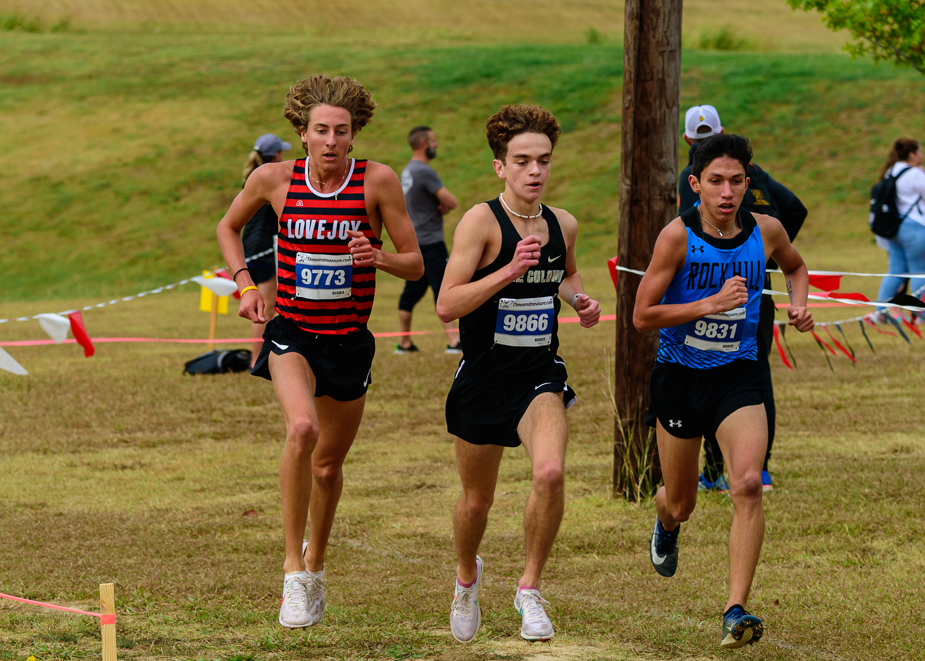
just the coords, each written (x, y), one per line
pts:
(525, 322)
(716, 332)
(322, 277)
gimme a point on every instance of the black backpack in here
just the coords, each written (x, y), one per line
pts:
(884, 217)
(219, 362)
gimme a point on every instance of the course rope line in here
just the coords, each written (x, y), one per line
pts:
(104, 340)
(105, 619)
(159, 290)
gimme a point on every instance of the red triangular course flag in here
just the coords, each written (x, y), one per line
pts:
(612, 265)
(783, 356)
(825, 282)
(80, 333)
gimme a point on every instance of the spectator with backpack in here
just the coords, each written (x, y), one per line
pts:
(900, 217)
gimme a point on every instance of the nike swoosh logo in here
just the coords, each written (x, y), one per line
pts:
(656, 558)
(552, 259)
(281, 346)
(366, 380)
(542, 384)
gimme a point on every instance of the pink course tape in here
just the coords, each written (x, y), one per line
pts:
(60, 608)
(108, 619)
(104, 340)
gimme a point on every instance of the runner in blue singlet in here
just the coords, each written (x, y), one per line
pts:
(702, 292)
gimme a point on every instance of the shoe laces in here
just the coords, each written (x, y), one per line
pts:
(531, 606)
(463, 601)
(294, 592)
(314, 587)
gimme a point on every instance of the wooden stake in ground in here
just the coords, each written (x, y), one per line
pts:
(648, 201)
(108, 620)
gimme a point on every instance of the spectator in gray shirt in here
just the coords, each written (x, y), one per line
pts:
(426, 199)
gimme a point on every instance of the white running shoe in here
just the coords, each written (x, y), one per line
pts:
(294, 613)
(314, 588)
(465, 614)
(536, 624)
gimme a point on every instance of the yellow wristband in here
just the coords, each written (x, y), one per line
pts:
(247, 289)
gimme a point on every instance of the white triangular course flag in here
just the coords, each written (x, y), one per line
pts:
(218, 286)
(55, 325)
(7, 363)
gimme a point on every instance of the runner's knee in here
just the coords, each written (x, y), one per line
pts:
(477, 504)
(549, 476)
(327, 473)
(746, 487)
(302, 433)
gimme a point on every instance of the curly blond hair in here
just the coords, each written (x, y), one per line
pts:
(514, 120)
(342, 92)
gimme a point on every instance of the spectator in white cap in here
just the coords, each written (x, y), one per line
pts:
(259, 232)
(764, 195)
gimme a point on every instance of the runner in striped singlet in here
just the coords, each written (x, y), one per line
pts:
(702, 292)
(317, 351)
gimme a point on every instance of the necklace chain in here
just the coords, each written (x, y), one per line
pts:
(321, 183)
(722, 233)
(519, 215)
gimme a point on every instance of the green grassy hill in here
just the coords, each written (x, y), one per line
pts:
(124, 146)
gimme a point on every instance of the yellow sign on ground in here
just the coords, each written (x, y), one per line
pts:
(205, 298)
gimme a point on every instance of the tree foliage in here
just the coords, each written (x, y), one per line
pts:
(891, 30)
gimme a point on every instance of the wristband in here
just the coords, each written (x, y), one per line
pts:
(575, 298)
(234, 277)
(248, 288)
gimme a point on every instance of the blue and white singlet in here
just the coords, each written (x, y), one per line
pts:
(716, 339)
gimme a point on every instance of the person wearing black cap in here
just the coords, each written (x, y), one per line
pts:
(258, 234)
(767, 196)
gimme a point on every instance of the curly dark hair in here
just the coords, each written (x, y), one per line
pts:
(514, 120)
(342, 92)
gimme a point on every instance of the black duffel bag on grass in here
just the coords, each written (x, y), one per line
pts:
(219, 362)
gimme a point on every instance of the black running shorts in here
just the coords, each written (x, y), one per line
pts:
(486, 411)
(691, 402)
(341, 363)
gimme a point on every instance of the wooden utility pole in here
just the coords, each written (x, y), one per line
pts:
(648, 201)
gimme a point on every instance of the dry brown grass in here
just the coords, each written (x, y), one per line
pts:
(119, 468)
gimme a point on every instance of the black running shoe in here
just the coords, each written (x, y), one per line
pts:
(663, 549)
(740, 628)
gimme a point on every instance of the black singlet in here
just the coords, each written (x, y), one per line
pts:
(489, 333)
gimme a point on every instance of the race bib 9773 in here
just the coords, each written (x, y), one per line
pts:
(716, 332)
(525, 322)
(322, 277)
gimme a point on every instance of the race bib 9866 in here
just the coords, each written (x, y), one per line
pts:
(525, 322)
(716, 332)
(322, 277)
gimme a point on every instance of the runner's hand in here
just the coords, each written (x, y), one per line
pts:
(589, 311)
(801, 319)
(734, 294)
(252, 307)
(361, 249)
(526, 254)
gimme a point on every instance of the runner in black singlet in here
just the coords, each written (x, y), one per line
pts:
(317, 350)
(512, 259)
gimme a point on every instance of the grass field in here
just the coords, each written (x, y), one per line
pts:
(129, 128)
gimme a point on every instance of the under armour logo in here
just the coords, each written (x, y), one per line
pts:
(674, 423)
(696, 248)
(299, 204)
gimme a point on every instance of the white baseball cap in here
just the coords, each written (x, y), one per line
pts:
(701, 122)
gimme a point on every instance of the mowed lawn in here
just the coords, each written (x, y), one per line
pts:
(128, 134)
(119, 468)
